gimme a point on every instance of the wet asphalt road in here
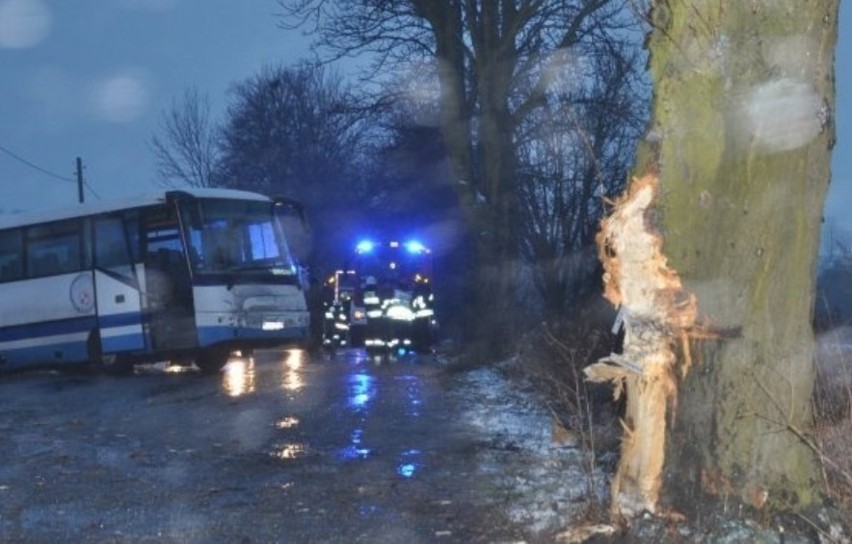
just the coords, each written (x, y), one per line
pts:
(278, 448)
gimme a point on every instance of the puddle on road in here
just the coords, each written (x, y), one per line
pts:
(361, 390)
(290, 451)
(291, 365)
(239, 377)
(287, 423)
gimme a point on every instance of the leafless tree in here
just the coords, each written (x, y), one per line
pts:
(572, 152)
(297, 131)
(186, 150)
(485, 53)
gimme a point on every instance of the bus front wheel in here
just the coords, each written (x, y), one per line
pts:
(211, 361)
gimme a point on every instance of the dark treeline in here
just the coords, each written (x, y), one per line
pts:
(493, 130)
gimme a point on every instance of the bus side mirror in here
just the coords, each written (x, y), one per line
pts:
(291, 206)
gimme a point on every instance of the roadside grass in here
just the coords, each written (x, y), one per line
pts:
(552, 357)
(832, 402)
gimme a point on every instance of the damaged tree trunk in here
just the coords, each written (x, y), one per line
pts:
(656, 312)
(723, 226)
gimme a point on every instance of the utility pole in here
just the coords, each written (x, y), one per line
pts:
(80, 179)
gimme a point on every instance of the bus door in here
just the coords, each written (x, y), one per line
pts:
(117, 290)
(168, 284)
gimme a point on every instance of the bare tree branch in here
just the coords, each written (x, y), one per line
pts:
(186, 151)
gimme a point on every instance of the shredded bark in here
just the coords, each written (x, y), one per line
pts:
(658, 315)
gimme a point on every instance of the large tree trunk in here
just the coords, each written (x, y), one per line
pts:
(487, 193)
(497, 246)
(738, 161)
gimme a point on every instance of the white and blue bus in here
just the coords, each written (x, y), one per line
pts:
(184, 276)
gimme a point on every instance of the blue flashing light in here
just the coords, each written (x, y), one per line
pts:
(365, 246)
(413, 246)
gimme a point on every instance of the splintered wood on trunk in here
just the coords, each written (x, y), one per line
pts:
(656, 312)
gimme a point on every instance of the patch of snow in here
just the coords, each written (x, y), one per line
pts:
(546, 483)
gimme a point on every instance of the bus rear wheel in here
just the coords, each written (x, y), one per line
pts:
(211, 361)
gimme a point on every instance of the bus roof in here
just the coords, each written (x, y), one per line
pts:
(19, 219)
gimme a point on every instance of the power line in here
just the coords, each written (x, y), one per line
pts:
(34, 166)
(18, 158)
(92, 190)
(48, 172)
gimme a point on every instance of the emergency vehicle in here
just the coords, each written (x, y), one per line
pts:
(384, 301)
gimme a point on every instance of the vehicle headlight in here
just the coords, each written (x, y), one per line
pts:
(400, 313)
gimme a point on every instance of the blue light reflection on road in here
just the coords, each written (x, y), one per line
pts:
(409, 463)
(362, 389)
(413, 395)
(406, 470)
(362, 386)
(355, 450)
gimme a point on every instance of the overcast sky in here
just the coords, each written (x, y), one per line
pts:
(90, 78)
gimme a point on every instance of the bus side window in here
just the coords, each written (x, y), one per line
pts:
(53, 248)
(46, 265)
(11, 270)
(11, 250)
(111, 251)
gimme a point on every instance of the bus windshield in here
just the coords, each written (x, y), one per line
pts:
(228, 236)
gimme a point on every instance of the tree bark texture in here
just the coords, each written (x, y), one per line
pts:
(487, 191)
(740, 145)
